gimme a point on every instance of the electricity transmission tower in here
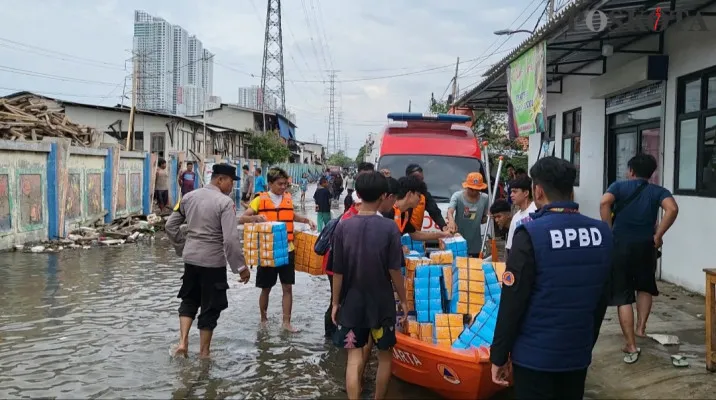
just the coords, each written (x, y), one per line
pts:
(272, 76)
(332, 142)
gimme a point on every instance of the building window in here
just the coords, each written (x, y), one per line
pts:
(548, 136)
(695, 166)
(571, 138)
(157, 144)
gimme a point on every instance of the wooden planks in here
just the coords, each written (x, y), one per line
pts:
(29, 118)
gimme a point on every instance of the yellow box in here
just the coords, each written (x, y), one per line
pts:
(468, 263)
(471, 286)
(471, 297)
(444, 342)
(441, 257)
(471, 309)
(426, 331)
(471, 275)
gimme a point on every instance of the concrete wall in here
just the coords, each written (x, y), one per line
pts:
(84, 198)
(23, 192)
(687, 246)
(686, 249)
(233, 118)
(130, 188)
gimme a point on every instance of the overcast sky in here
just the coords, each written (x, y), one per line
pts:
(368, 41)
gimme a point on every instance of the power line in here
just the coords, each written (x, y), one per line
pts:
(52, 76)
(58, 55)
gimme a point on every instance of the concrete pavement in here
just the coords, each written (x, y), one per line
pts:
(675, 312)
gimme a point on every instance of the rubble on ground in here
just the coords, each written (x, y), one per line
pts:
(30, 118)
(120, 231)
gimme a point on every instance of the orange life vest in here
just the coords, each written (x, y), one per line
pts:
(418, 214)
(398, 218)
(284, 212)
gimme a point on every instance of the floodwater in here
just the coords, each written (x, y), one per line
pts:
(100, 323)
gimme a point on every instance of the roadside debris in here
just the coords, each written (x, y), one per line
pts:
(120, 231)
(30, 118)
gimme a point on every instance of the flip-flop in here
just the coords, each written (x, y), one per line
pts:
(679, 361)
(631, 358)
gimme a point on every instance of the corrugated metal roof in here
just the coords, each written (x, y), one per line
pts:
(571, 44)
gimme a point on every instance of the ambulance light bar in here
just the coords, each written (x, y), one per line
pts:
(428, 117)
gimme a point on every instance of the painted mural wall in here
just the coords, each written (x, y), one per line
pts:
(84, 200)
(129, 187)
(23, 197)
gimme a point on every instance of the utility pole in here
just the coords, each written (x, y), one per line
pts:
(331, 140)
(135, 79)
(454, 82)
(410, 105)
(550, 11)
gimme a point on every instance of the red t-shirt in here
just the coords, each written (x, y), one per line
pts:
(352, 212)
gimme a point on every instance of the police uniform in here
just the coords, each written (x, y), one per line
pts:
(211, 239)
(551, 289)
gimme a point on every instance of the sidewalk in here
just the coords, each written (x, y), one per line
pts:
(675, 312)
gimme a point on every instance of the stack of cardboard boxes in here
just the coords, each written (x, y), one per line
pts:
(266, 244)
(468, 286)
(428, 292)
(306, 259)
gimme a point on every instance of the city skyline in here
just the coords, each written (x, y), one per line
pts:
(175, 73)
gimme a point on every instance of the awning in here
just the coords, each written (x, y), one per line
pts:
(572, 45)
(285, 129)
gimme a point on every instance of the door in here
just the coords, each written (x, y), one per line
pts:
(627, 142)
(651, 144)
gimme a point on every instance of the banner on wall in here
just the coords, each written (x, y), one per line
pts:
(527, 92)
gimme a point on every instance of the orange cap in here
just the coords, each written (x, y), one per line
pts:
(475, 181)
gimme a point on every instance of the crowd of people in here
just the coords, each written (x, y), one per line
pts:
(555, 256)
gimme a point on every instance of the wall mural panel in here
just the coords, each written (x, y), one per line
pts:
(122, 193)
(135, 188)
(31, 201)
(73, 203)
(5, 203)
(94, 193)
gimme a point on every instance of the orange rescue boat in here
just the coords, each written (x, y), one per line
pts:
(451, 373)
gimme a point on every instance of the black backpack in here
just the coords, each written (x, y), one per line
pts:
(323, 243)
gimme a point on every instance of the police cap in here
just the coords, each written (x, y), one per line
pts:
(224, 169)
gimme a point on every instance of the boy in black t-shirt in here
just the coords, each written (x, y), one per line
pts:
(367, 257)
(322, 197)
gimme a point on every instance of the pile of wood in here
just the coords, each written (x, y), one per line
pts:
(29, 117)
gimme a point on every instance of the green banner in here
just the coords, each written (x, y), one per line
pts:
(526, 87)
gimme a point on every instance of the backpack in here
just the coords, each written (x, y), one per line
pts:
(323, 243)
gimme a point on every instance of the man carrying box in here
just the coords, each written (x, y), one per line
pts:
(276, 205)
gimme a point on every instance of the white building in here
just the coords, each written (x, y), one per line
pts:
(181, 71)
(154, 50)
(632, 89)
(170, 63)
(249, 97)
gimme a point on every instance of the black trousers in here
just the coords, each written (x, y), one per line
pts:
(328, 320)
(203, 288)
(538, 385)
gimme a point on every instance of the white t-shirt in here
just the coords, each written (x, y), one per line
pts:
(519, 216)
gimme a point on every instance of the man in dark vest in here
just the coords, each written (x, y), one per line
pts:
(556, 271)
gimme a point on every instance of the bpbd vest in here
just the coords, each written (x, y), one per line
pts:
(573, 261)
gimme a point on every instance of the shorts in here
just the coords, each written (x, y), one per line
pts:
(266, 277)
(162, 197)
(245, 196)
(633, 270)
(355, 338)
(203, 288)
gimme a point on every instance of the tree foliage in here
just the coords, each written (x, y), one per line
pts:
(339, 159)
(361, 155)
(268, 147)
(438, 107)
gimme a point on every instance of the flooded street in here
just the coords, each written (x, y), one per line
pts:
(101, 322)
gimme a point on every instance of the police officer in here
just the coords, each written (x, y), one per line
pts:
(210, 240)
(556, 271)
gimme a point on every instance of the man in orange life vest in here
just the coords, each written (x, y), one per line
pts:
(408, 195)
(426, 203)
(276, 205)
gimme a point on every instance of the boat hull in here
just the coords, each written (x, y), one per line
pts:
(451, 373)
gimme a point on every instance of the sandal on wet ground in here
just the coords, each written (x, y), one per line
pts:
(679, 361)
(631, 358)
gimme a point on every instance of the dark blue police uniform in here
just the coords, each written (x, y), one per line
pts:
(554, 281)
